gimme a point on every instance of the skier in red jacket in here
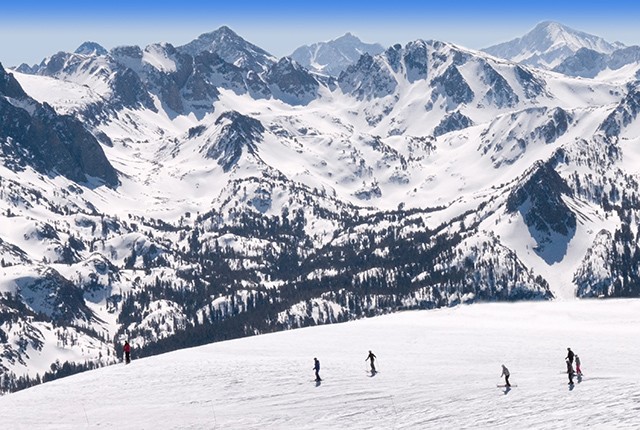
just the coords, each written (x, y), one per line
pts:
(127, 352)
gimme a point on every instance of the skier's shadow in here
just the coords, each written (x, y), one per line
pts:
(506, 390)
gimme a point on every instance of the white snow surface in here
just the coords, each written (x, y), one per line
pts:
(438, 369)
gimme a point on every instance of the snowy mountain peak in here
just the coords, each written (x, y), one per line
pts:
(334, 56)
(348, 36)
(91, 48)
(558, 34)
(548, 44)
(232, 48)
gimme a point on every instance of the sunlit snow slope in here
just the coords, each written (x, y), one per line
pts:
(438, 369)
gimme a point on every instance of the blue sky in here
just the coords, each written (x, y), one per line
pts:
(31, 30)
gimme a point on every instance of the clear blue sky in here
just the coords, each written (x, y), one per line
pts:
(31, 30)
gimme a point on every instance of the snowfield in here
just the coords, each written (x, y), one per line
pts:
(438, 369)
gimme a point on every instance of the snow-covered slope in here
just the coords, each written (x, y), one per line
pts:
(438, 369)
(548, 44)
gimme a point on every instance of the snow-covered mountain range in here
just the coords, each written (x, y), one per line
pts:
(179, 195)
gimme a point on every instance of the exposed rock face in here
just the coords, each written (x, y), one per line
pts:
(367, 79)
(624, 113)
(237, 134)
(291, 82)
(539, 200)
(35, 135)
(453, 87)
(452, 122)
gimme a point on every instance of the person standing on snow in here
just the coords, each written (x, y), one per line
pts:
(570, 355)
(570, 371)
(578, 371)
(127, 352)
(506, 374)
(371, 357)
(316, 367)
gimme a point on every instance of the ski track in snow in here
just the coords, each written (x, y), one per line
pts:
(438, 369)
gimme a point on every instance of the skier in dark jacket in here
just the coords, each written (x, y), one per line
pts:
(316, 367)
(506, 374)
(127, 352)
(570, 355)
(372, 357)
(570, 371)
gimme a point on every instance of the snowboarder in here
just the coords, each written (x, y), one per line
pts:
(316, 367)
(127, 352)
(578, 371)
(569, 371)
(570, 355)
(371, 357)
(506, 374)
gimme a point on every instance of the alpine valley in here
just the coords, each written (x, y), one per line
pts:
(180, 195)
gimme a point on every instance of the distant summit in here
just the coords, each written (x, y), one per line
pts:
(333, 57)
(548, 44)
(231, 48)
(91, 48)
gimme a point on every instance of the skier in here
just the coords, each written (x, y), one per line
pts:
(127, 352)
(316, 367)
(506, 374)
(372, 357)
(578, 371)
(570, 355)
(569, 371)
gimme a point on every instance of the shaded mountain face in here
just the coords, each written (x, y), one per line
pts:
(55, 297)
(548, 44)
(292, 83)
(368, 78)
(238, 133)
(624, 114)
(452, 122)
(539, 199)
(33, 134)
(588, 63)
(333, 57)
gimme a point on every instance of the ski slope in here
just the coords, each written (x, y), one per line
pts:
(438, 369)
